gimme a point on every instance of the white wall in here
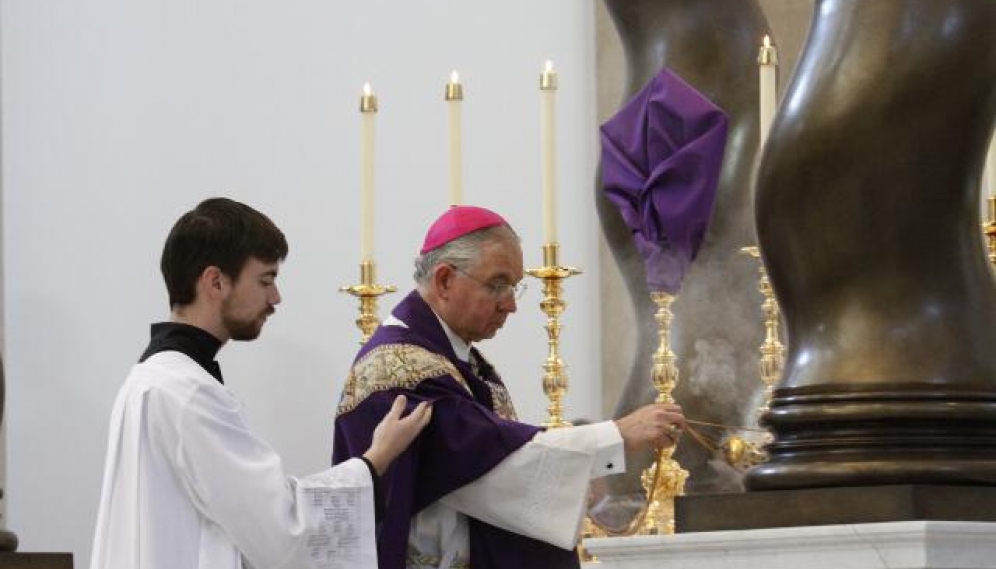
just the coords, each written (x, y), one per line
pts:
(119, 115)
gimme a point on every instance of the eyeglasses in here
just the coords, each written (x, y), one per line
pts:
(496, 290)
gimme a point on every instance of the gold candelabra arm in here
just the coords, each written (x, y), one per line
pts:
(664, 373)
(553, 304)
(772, 351)
(991, 235)
(367, 291)
(990, 228)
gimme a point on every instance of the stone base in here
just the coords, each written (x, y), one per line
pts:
(11, 560)
(829, 506)
(895, 545)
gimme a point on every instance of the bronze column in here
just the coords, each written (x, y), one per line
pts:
(711, 44)
(867, 216)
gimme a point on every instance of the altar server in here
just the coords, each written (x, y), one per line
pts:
(187, 485)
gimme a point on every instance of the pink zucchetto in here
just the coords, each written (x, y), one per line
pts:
(458, 221)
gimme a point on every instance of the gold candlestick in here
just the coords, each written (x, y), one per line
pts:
(367, 291)
(772, 350)
(553, 304)
(665, 479)
(990, 228)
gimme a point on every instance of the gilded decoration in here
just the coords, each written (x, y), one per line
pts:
(502, 401)
(394, 366)
(418, 560)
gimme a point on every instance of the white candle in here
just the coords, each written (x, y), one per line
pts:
(548, 90)
(767, 59)
(368, 110)
(454, 98)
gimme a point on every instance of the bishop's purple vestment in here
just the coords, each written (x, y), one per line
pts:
(473, 429)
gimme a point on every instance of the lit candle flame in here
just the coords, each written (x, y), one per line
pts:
(767, 40)
(368, 101)
(454, 77)
(548, 78)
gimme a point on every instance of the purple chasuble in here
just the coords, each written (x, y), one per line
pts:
(472, 430)
(662, 154)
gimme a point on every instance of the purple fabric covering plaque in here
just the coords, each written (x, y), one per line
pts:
(661, 158)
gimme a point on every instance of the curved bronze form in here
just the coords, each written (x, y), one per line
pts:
(867, 213)
(712, 44)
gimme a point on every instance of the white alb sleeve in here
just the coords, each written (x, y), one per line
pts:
(237, 480)
(540, 490)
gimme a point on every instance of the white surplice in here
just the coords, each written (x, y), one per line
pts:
(539, 491)
(188, 486)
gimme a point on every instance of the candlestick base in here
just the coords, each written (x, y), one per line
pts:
(553, 305)
(367, 291)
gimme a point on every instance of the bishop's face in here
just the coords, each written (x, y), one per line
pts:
(481, 297)
(251, 300)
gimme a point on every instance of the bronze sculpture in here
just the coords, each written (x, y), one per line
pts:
(867, 218)
(711, 44)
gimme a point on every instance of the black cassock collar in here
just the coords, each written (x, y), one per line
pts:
(192, 341)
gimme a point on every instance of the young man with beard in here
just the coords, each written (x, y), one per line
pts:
(186, 484)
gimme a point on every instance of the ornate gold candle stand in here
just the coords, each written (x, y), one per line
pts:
(772, 350)
(665, 479)
(990, 228)
(367, 291)
(553, 304)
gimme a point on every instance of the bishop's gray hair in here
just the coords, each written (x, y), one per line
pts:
(463, 252)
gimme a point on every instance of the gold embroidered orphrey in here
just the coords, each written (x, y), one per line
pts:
(404, 366)
(393, 366)
(502, 401)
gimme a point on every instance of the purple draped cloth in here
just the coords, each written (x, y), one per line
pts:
(470, 433)
(662, 153)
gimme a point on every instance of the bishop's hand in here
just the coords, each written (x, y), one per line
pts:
(658, 425)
